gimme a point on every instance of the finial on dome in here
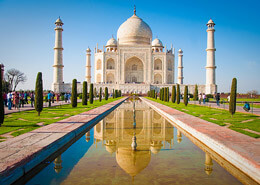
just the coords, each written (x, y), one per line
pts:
(134, 10)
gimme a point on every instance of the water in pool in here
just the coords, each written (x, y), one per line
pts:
(105, 154)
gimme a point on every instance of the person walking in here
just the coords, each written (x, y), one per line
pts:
(217, 98)
(16, 100)
(21, 98)
(5, 99)
(66, 97)
(9, 99)
(204, 98)
(200, 97)
(49, 97)
(57, 97)
(32, 99)
(26, 97)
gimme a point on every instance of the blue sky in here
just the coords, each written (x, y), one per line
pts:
(27, 35)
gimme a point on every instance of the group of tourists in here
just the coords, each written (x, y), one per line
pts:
(202, 97)
(18, 99)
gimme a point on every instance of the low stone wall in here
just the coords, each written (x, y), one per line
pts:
(21, 154)
(240, 150)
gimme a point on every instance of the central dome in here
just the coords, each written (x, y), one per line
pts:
(134, 31)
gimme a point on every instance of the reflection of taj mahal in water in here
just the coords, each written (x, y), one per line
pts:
(153, 133)
(134, 62)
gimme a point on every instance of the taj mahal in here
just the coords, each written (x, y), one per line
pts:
(134, 62)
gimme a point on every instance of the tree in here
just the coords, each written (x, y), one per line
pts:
(185, 98)
(233, 97)
(2, 110)
(196, 93)
(106, 93)
(114, 93)
(100, 94)
(120, 93)
(95, 92)
(168, 94)
(14, 77)
(74, 102)
(178, 94)
(173, 94)
(91, 94)
(85, 93)
(39, 94)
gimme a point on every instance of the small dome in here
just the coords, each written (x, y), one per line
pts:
(88, 50)
(59, 21)
(180, 51)
(210, 22)
(157, 43)
(134, 31)
(111, 42)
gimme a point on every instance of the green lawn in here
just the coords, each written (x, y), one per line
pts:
(220, 117)
(25, 121)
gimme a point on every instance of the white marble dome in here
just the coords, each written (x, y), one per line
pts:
(157, 43)
(111, 42)
(134, 31)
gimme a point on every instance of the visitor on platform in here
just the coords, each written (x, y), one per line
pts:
(53, 96)
(21, 99)
(5, 99)
(9, 99)
(16, 100)
(32, 99)
(69, 96)
(49, 97)
(26, 97)
(66, 97)
(200, 97)
(217, 98)
(57, 97)
(228, 98)
(246, 107)
(204, 98)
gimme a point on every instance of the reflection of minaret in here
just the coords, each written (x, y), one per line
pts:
(208, 164)
(57, 162)
(179, 139)
(87, 136)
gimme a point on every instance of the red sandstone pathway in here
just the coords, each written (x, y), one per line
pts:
(253, 110)
(241, 150)
(20, 154)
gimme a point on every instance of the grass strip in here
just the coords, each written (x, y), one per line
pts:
(221, 117)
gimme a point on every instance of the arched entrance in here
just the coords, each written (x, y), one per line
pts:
(134, 71)
(157, 79)
(110, 78)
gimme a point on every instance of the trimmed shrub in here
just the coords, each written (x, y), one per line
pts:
(74, 102)
(185, 98)
(196, 93)
(85, 93)
(233, 97)
(2, 110)
(178, 94)
(39, 94)
(100, 94)
(106, 93)
(173, 94)
(91, 94)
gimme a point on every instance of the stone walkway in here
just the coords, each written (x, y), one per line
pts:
(240, 150)
(253, 110)
(22, 153)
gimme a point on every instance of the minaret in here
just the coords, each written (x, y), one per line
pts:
(88, 66)
(58, 58)
(180, 67)
(208, 164)
(211, 87)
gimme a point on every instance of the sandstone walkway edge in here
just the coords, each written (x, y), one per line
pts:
(22, 153)
(240, 150)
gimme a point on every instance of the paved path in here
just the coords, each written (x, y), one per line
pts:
(253, 110)
(22, 153)
(240, 150)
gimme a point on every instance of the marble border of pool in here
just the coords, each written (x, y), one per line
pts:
(240, 150)
(22, 153)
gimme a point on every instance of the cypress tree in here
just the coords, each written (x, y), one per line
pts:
(156, 95)
(173, 94)
(2, 110)
(106, 93)
(161, 94)
(85, 93)
(74, 102)
(100, 94)
(114, 93)
(165, 94)
(91, 94)
(168, 94)
(196, 93)
(178, 94)
(120, 93)
(38, 94)
(185, 99)
(233, 97)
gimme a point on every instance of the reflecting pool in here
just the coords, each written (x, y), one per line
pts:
(106, 154)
